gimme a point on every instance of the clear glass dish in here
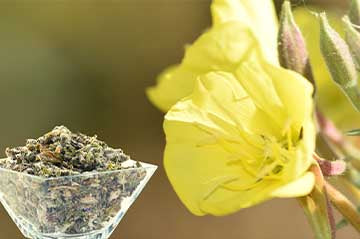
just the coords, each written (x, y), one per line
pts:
(84, 206)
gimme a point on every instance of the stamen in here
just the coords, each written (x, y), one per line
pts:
(289, 139)
(223, 182)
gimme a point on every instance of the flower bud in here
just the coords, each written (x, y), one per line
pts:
(293, 54)
(337, 56)
(354, 13)
(353, 40)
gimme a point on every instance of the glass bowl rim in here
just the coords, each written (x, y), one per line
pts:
(86, 174)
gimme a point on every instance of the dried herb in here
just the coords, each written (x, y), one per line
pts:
(62, 153)
(81, 188)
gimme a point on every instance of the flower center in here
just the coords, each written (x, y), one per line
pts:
(276, 155)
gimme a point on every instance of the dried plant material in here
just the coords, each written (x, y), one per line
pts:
(68, 184)
(62, 153)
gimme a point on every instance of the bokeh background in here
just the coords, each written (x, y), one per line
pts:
(85, 64)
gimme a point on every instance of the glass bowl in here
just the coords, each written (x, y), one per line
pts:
(84, 206)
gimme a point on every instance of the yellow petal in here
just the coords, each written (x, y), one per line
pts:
(286, 99)
(304, 150)
(259, 85)
(285, 95)
(172, 85)
(294, 91)
(259, 15)
(298, 188)
(225, 202)
(223, 48)
(196, 160)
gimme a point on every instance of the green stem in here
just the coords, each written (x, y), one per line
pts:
(345, 207)
(316, 213)
(317, 209)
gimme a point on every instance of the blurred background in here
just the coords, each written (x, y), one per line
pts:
(85, 64)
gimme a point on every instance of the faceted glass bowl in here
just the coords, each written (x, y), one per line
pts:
(85, 206)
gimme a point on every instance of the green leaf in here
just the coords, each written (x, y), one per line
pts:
(354, 132)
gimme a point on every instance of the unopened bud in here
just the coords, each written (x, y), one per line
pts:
(293, 54)
(339, 61)
(352, 38)
(354, 13)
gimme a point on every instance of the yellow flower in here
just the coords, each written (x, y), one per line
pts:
(241, 138)
(223, 47)
(255, 23)
(241, 131)
(258, 14)
(330, 98)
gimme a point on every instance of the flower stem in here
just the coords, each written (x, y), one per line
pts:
(350, 187)
(345, 207)
(316, 213)
(318, 209)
